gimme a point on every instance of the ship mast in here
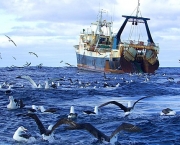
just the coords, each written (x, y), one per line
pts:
(137, 9)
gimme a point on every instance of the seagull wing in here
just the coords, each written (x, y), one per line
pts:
(13, 42)
(126, 127)
(33, 53)
(7, 36)
(27, 136)
(29, 79)
(63, 121)
(38, 122)
(51, 110)
(91, 129)
(124, 108)
(139, 100)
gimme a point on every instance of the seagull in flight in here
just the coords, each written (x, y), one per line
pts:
(14, 57)
(102, 138)
(68, 64)
(11, 40)
(27, 64)
(48, 133)
(33, 54)
(122, 107)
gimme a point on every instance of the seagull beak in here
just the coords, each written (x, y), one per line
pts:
(24, 129)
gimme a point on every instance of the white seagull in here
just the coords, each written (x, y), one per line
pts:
(13, 104)
(22, 137)
(72, 113)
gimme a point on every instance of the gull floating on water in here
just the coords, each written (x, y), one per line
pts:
(72, 113)
(95, 112)
(22, 137)
(14, 103)
(168, 112)
(50, 110)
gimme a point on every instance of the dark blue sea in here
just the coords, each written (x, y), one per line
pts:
(155, 129)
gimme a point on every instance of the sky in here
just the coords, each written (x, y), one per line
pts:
(50, 28)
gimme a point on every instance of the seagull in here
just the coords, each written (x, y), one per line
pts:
(22, 137)
(30, 80)
(33, 109)
(33, 54)
(27, 64)
(99, 53)
(50, 110)
(11, 40)
(48, 133)
(168, 112)
(124, 108)
(14, 103)
(101, 136)
(72, 113)
(14, 57)
(95, 112)
(34, 85)
(68, 64)
(170, 79)
(40, 65)
(105, 78)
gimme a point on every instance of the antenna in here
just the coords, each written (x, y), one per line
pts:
(137, 9)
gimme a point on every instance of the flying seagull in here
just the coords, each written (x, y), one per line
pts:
(101, 136)
(27, 64)
(30, 80)
(68, 64)
(14, 57)
(124, 108)
(47, 133)
(33, 54)
(11, 40)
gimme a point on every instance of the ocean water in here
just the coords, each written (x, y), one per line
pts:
(155, 129)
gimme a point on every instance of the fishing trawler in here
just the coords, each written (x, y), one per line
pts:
(102, 50)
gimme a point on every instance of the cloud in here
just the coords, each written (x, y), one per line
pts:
(51, 27)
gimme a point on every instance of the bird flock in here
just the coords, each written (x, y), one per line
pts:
(27, 64)
(71, 121)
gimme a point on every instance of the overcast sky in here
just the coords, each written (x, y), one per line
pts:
(51, 28)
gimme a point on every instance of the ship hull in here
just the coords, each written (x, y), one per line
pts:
(98, 64)
(120, 65)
